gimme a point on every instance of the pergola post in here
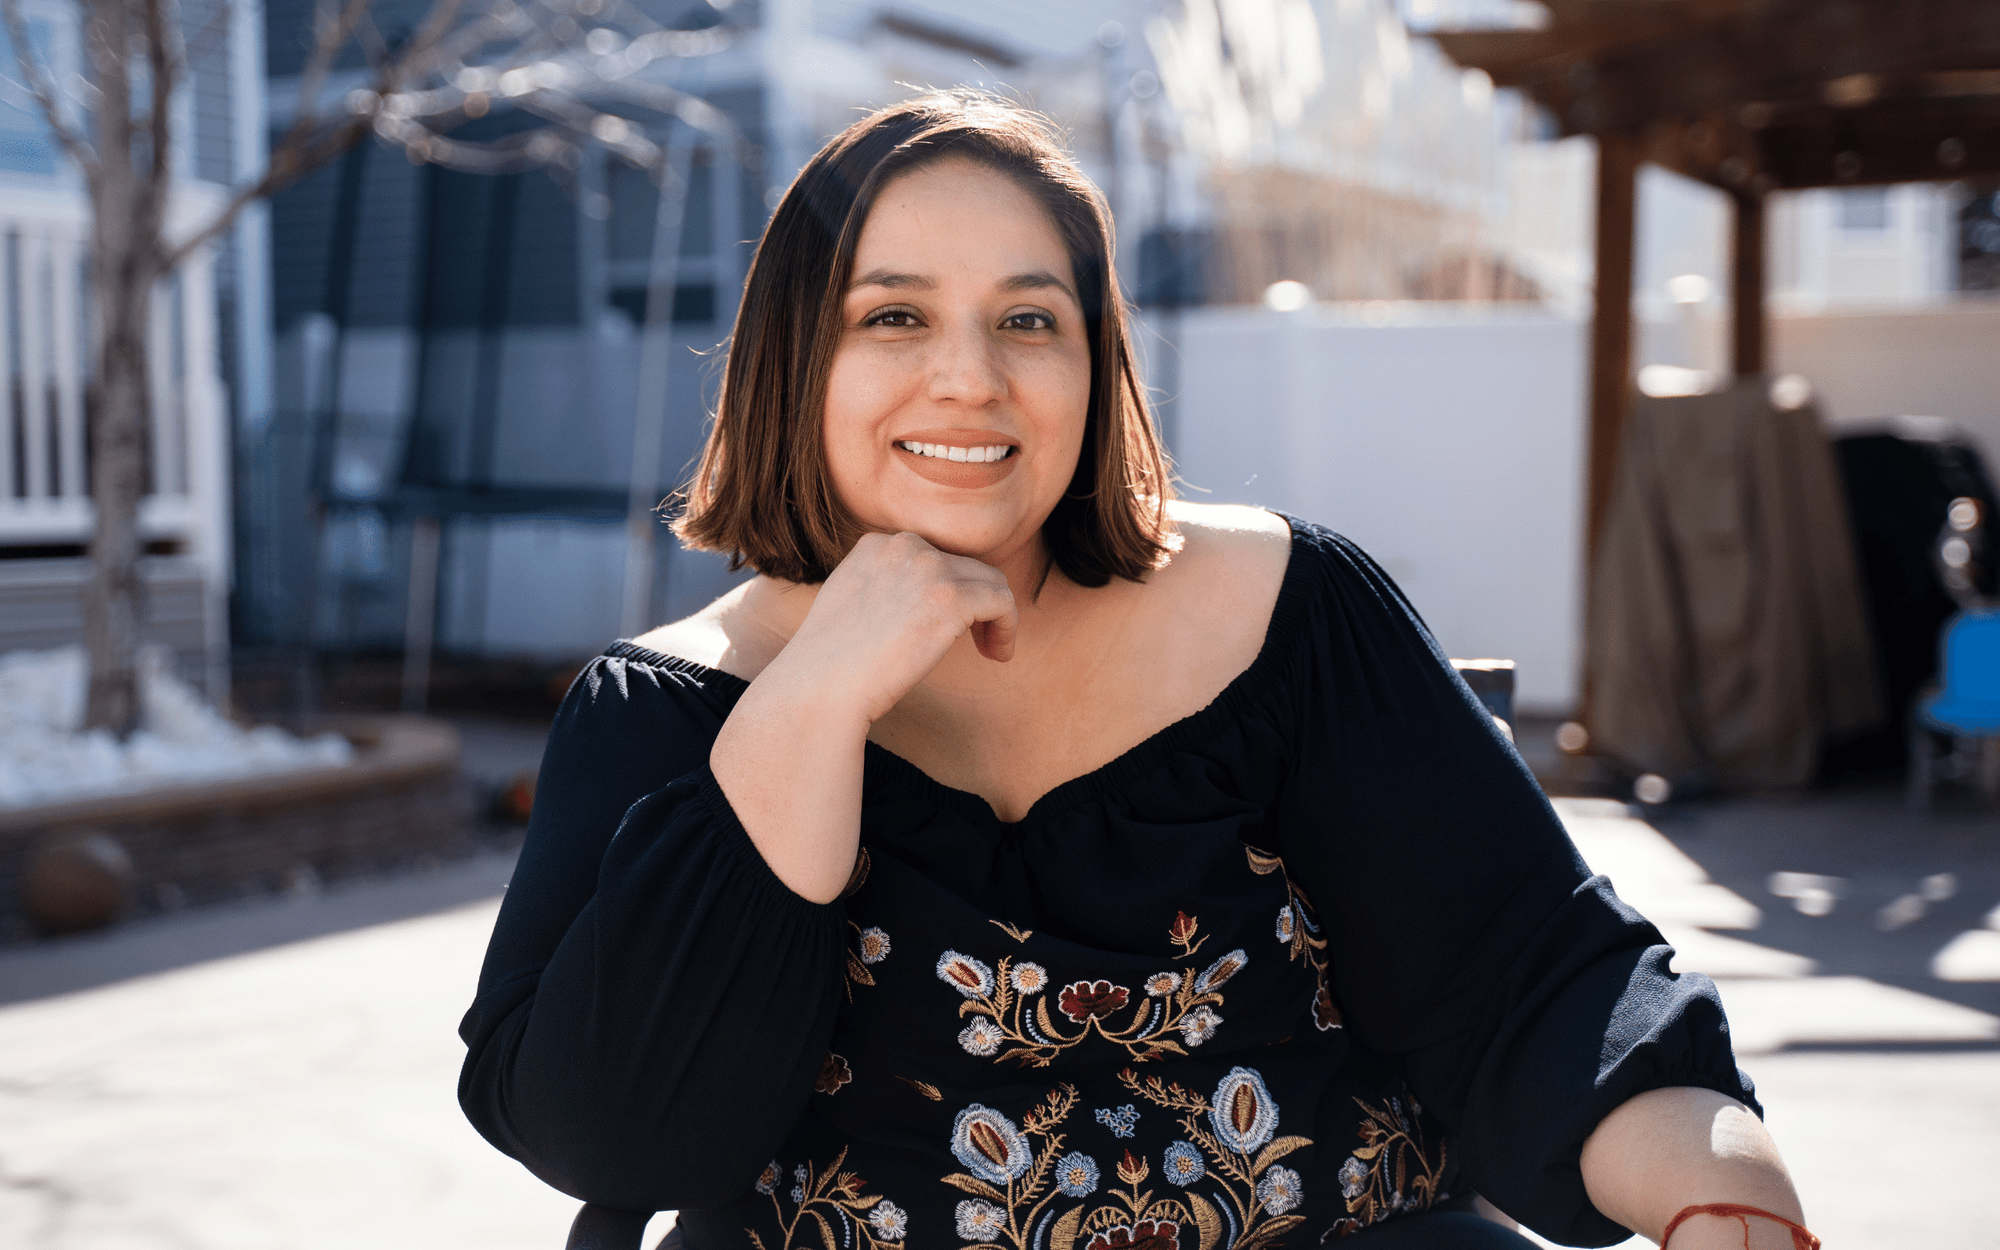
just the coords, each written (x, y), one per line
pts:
(1749, 327)
(1611, 320)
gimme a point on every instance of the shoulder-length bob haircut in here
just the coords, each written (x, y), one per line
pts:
(762, 493)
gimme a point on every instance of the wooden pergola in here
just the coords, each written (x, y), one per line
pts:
(1751, 97)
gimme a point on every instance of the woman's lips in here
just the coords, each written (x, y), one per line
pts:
(959, 473)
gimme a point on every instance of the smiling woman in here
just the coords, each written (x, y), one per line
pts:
(964, 236)
(1086, 869)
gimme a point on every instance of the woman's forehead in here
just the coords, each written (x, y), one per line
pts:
(955, 219)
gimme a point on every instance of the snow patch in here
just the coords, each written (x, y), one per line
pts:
(45, 758)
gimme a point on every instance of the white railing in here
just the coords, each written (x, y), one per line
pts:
(44, 469)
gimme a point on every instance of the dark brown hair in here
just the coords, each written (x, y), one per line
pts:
(762, 494)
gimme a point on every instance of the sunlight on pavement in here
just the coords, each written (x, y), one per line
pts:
(300, 1097)
(1971, 956)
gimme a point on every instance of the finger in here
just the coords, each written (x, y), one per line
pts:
(995, 638)
(995, 625)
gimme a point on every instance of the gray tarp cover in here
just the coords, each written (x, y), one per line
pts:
(1727, 637)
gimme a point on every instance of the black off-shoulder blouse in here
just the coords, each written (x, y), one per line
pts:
(1315, 957)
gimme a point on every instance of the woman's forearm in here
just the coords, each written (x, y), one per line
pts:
(790, 758)
(1668, 1149)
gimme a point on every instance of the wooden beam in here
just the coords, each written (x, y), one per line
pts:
(1628, 74)
(1749, 327)
(1611, 321)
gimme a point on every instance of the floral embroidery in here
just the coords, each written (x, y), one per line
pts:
(979, 1220)
(1392, 1171)
(989, 1144)
(1199, 1025)
(982, 1037)
(1237, 1132)
(833, 1073)
(1121, 1121)
(966, 975)
(1013, 1000)
(1009, 1177)
(1019, 935)
(871, 946)
(1145, 1235)
(1076, 1175)
(925, 1088)
(828, 1200)
(1300, 934)
(1219, 971)
(1084, 1001)
(890, 1220)
(1181, 933)
(1182, 1164)
(1280, 1190)
(1015, 1184)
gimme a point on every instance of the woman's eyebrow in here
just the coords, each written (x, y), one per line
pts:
(893, 280)
(1036, 280)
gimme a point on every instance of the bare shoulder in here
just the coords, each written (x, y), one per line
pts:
(725, 635)
(1223, 584)
(1233, 543)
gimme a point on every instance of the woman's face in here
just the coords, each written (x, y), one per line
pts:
(956, 404)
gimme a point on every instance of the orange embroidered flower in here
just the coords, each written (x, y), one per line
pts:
(1132, 1169)
(1085, 1000)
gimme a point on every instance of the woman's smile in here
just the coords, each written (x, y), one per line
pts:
(966, 459)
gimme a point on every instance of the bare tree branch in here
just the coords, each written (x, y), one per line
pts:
(44, 92)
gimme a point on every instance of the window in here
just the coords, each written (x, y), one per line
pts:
(1864, 209)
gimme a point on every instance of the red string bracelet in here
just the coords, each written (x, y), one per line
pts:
(1801, 1239)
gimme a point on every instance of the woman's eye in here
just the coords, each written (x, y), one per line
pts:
(1029, 321)
(893, 318)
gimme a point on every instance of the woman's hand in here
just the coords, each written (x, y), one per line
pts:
(887, 615)
(1668, 1149)
(789, 756)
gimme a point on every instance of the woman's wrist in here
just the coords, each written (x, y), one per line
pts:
(1710, 1231)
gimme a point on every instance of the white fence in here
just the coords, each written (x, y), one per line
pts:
(44, 460)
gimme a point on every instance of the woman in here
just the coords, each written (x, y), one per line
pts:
(1022, 861)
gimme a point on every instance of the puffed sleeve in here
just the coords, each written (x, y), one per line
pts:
(1466, 935)
(655, 1004)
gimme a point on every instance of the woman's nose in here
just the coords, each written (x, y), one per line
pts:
(966, 369)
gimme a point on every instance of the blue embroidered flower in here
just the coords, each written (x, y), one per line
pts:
(1353, 1177)
(1219, 971)
(1161, 984)
(965, 974)
(988, 1143)
(1121, 1121)
(1242, 1112)
(874, 946)
(1076, 1175)
(891, 1221)
(1182, 1164)
(769, 1180)
(1280, 1190)
(1286, 925)
(980, 1220)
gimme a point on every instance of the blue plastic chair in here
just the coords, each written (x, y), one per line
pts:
(1965, 706)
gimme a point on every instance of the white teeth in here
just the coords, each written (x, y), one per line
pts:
(967, 455)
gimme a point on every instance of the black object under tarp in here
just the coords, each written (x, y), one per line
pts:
(1899, 485)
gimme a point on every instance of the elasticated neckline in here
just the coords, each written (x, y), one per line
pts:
(884, 767)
